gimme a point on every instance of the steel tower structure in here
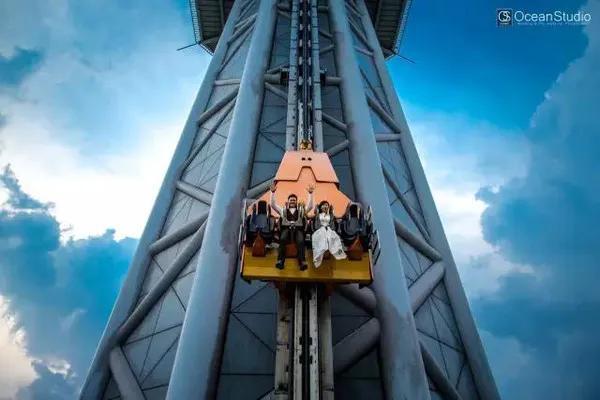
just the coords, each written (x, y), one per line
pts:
(185, 326)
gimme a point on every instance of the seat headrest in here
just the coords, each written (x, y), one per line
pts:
(262, 207)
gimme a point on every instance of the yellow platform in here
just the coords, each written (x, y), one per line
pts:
(330, 271)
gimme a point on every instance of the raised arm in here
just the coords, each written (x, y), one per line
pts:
(310, 204)
(272, 202)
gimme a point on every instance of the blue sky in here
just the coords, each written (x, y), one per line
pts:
(92, 100)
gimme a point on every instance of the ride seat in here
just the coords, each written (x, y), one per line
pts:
(354, 231)
(260, 227)
(353, 224)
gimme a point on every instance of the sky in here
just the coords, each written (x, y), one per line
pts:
(93, 96)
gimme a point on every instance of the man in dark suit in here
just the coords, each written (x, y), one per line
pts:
(293, 223)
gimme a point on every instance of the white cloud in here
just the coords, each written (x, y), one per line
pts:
(117, 192)
(94, 127)
(67, 322)
(460, 156)
(16, 370)
(31, 22)
(509, 358)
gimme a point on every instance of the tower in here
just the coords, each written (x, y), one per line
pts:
(186, 326)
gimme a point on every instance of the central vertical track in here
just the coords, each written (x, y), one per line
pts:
(305, 73)
(307, 370)
(307, 340)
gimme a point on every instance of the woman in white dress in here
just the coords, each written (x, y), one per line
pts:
(324, 237)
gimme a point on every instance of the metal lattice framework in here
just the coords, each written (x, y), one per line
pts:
(387, 16)
(186, 326)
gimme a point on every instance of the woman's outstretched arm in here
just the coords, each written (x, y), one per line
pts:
(310, 204)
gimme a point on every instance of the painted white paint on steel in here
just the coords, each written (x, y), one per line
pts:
(402, 365)
(468, 331)
(98, 373)
(126, 382)
(197, 362)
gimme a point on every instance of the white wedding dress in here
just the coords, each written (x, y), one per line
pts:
(326, 239)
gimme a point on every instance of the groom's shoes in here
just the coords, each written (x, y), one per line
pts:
(303, 265)
(279, 264)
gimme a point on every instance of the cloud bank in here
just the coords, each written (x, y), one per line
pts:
(521, 213)
(93, 96)
(544, 324)
(58, 294)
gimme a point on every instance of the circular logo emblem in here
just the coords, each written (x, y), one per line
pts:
(504, 17)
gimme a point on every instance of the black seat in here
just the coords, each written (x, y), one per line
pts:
(354, 225)
(260, 221)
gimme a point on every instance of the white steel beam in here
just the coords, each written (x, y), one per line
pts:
(124, 377)
(276, 91)
(316, 79)
(363, 298)
(338, 148)
(161, 286)
(422, 246)
(411, 213)
(422, 288)
(291, 124)
(356, 345)
(332, 80)
(326, 34)
(177, 235)
(437, 376)
(240, 24)
(97, 376)
(297, 370)
(353, 9)
(313, 345)
(234, 49)
(383, 114)
(273, 78)
(364, 51)
(224, 82)
(226, 109)
(326, 49)
(282, 350)
(262, 187)
(215, 108)
(194, 192)
(482, 373)
(360, 35)
(197, 361)
(402, 365)
(326, 349)
(387, 137)
(336, 123)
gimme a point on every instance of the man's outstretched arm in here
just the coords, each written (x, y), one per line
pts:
(272, 202)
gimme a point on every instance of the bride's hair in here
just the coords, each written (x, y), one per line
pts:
(323, 203)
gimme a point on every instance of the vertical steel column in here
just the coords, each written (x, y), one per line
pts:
(297, 348)
(475, 353)
(126, 301)
(403, 371)
(197, 361)
(316, 78)
(282, 353)
(291, 129)
(325, 347)
(313, 344)
(306, 360)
